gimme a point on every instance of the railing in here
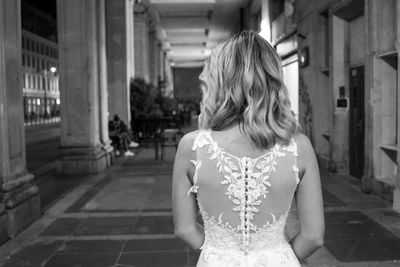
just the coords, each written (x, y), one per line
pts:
(41, 119)
(149, 130)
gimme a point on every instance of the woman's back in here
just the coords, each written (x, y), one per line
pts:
(246, 163)
(243, 196)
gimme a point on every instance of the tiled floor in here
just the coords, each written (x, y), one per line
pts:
(123, 218)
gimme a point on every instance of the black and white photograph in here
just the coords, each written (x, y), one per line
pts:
(199, 133)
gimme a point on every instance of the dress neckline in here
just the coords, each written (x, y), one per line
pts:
(243, 158)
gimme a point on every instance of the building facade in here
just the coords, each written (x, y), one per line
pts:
(40, 79)
(348, 84)
(41, 94)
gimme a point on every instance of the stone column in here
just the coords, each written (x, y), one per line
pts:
(396, 192)
(161, 55)
(169, 82)
(84, 107)
(20, 206)
(120, 56)
(141, 43)
(153, 57)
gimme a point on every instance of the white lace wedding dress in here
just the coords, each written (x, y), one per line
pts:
(244, 203)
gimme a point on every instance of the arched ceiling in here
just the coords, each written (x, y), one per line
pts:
(189, 29)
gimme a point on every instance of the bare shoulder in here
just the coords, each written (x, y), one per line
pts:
(186, 144)
(184, 154)
(304, 146)
(306, 160)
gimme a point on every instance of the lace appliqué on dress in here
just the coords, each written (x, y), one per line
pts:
(247, 181)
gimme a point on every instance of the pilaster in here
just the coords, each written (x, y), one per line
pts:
(339, 71)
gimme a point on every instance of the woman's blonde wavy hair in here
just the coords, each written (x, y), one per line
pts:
(242, 83)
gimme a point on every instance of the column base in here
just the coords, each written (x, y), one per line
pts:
(22, 203)
(110, 154)
(323, 162)
(380, 188)
(23, 215)
(87, 160)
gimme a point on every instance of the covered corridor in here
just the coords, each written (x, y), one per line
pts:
(67, 67)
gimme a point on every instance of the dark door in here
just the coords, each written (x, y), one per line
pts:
(357, 121)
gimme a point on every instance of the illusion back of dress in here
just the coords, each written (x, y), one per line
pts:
(244, 203)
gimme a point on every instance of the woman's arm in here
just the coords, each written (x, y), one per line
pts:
(185, 207)
(309, 202)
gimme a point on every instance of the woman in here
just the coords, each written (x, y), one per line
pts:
(243, 167)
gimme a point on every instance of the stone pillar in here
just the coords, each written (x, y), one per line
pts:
(120, 56)
(169, 83)
(21, 205)
(161, 65)
(396, 193)
(84, 107)
(153, 57)
(142, 68)
(339, 71)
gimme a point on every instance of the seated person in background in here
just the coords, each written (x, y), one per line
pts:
(123, 130)
(114, 137)
(123, 140)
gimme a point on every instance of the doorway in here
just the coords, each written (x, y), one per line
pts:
(357, 121)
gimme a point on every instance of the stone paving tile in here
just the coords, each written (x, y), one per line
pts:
(352, 236)
(53, 186)
(342, 217)
(92, 246)
(330, 200)
(370, 204)
(76, 207)
(172, 244)
(33, 255)
(122, 194)
(107, 226)
(355, 231)
(62, 227)
(154, 259)
(364, 250)
(154, 225)
(82, 259)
